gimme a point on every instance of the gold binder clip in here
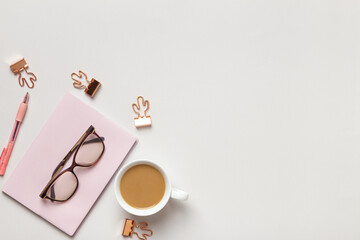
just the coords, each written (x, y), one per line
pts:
(142, 120)
(18, 67)
(91, 89)
(129, 226)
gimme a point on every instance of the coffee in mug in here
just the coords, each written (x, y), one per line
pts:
(142, 186)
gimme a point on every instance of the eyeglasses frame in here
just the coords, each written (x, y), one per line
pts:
(57, 173)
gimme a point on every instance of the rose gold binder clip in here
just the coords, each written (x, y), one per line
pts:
(129, 229)
(142, 120)
(91, 89)
(18, 67)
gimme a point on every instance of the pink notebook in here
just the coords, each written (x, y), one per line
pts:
(69, 121)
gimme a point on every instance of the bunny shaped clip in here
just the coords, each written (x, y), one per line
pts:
(142, 120)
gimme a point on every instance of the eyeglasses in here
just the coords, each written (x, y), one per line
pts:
(63, 184)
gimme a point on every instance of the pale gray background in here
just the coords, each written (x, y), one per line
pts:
(255, 106)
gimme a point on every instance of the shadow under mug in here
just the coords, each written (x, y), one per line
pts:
(170, 192)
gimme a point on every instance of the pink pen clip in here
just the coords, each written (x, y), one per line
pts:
(1, 156)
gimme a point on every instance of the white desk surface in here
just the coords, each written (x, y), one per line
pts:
(255, 106)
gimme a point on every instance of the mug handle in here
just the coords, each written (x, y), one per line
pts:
(179, 194)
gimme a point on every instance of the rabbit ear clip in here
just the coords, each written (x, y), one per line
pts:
(141, 108)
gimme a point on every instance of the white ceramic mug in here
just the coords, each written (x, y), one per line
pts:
(169, 191)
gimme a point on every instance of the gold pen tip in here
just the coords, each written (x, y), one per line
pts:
(26, 98)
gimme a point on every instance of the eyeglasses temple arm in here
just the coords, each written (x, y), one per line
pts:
(62, 163)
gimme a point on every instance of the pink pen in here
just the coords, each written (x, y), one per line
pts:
(5, 155)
